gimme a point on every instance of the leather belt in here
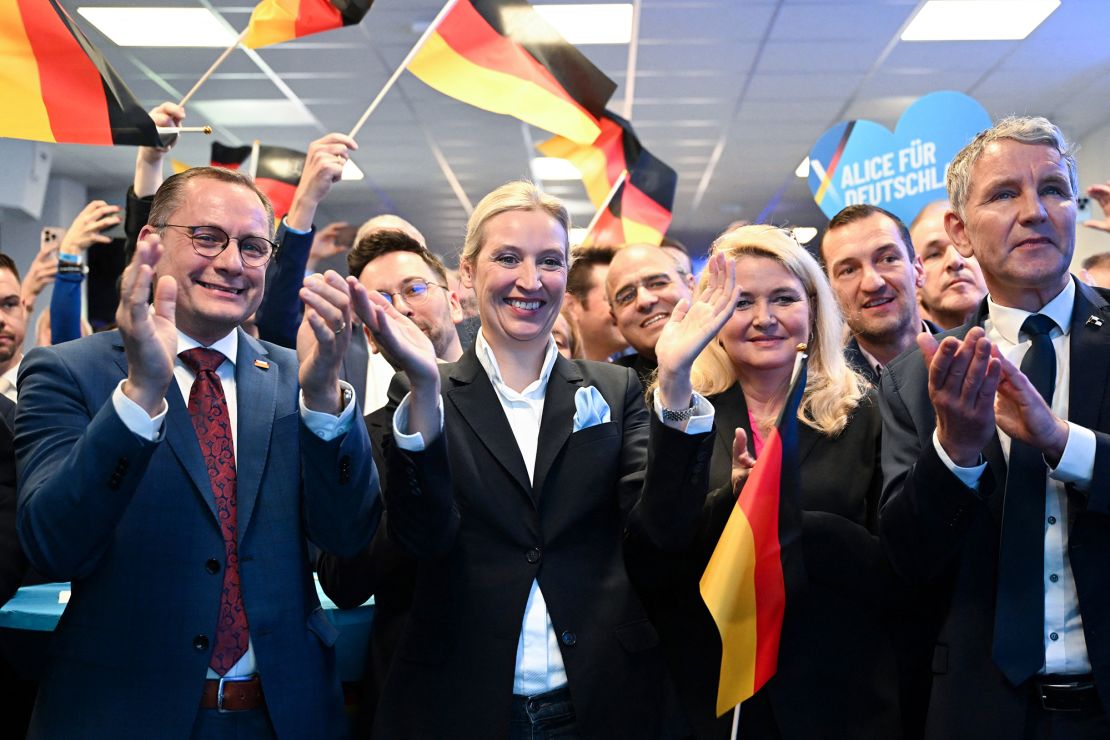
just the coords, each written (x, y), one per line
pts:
(1068, 693)
(232, 694)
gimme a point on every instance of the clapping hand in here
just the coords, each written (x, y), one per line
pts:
(322, 339)
(1023, 415)
(742, 460)
(149, 337)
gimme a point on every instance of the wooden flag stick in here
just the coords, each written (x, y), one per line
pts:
(219, 60)
(605, 204)
(735, 722)
(170, 130)
(252, 166)
(402, 66)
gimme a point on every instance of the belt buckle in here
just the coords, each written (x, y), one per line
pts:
(220, 692)
(1054, 705)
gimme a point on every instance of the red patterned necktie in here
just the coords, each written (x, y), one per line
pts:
(208, 410)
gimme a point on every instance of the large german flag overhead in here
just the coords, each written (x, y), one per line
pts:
(274, 21)
(277, 173)
(55, 85)
(640, 212)
(502, 56)
(757, 557)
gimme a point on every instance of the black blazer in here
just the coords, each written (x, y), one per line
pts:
(482, 533)
(836, 676)
(940, 533)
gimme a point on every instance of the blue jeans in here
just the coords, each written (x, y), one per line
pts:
(548, 716)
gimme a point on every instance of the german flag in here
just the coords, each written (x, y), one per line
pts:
(55, 86)
(277, 173)
(640, 212)
(502, 56)
(274, 21)
(745, 583)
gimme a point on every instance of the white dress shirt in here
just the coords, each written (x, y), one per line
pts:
(7, 382)
(135, 418)
(539, 662)
(1064, 643)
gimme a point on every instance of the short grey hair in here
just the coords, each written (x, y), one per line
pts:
(1023, 129)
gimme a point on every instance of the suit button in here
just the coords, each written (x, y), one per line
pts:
(569, 638)
(533, 555)
(212, 566)
(200, 643)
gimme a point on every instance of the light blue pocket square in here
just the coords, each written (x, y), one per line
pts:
(591, 406)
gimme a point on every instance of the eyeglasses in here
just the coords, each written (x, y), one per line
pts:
(652, 284)
(210, 241)
(414, 291)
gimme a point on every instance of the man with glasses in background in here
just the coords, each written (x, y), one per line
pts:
(394, 263)
(643, 285)
(173, 469)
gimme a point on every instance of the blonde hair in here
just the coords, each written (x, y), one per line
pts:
(833, 390)
(518, 195)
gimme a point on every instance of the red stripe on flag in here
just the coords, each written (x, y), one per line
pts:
(762, 511)
(469, 35)
(72, 88)
(280, 194)
(637, 206)
(314, 16)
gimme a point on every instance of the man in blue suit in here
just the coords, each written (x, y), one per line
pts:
(173, 469)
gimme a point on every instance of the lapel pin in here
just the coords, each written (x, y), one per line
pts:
(262, 364)
(1094, 321)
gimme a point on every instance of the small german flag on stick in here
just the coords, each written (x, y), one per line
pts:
(274, 21)
(276, 170)
(56, 86)
(502, 56)
(757, 557)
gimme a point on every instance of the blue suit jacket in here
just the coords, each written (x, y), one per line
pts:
(132, 524)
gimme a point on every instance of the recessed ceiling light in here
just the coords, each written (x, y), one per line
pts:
(802, 170)
(554, 168)
(604, 23)
(194, 27)
(264, 112)
(978, 20)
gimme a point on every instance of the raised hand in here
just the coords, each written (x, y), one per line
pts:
(149, 337)
(324, 245)
(691, 326)
(395, 335)
(87, 228)
(322, 340)
(148, 160)
(323, 167)
(1023, 415)
(42, 272)
(963, 380)
(1101, 193)
(742, 460)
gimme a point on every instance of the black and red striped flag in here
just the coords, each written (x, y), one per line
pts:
(277, 171)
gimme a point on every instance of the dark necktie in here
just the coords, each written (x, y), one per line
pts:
(1019, 605)
(208, 410)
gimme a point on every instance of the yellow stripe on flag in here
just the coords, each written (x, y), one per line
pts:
(638, 233)
(272, 22)
(728, 589)
(178, 166)
(22, 109)
(440, 66)
(588, 160)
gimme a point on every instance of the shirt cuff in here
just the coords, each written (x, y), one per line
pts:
(411, 442)
(329, 426)
(702, 420)
(968, 476)
(291, 230)
(1077, 464)
(135, 417)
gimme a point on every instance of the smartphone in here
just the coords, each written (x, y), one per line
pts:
(50, 238)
